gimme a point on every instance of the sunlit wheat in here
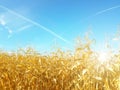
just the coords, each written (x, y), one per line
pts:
(80, 69)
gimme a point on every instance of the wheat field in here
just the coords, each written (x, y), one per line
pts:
(80, 69)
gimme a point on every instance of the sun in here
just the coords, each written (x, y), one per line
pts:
(104, 56)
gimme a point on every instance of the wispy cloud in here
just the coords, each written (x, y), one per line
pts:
(35, 23)
(106, 10)
(3, 23)
(10, 31)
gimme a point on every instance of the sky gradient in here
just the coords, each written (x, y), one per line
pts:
(42, 23)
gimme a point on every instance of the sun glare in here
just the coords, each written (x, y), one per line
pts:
(103, 56)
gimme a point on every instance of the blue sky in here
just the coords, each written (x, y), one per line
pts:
(41, 23)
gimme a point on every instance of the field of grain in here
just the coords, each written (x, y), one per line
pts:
(79, 69)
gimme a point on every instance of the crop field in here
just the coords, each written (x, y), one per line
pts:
(80, 69)
(59, 45)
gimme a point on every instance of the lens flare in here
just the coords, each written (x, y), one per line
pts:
(104, 56)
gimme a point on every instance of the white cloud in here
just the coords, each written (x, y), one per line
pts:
(2, 21)
(10, 31)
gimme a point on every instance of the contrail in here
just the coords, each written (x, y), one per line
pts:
(35, 23)
(11, 33)
(23, 28)
(105, 10)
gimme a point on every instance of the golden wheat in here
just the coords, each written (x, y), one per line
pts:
(61, 70)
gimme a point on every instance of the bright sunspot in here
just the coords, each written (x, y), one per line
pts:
(103, 56)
